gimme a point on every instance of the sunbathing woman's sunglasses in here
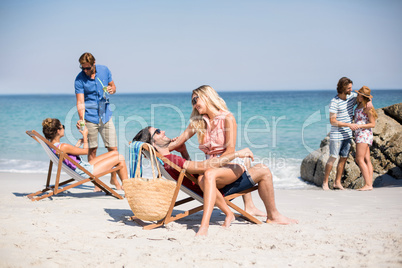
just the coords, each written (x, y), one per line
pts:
(194, 100)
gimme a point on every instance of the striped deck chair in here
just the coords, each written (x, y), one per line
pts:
(58, 158)
(184, 175)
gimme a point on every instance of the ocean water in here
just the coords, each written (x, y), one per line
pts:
(280, 127)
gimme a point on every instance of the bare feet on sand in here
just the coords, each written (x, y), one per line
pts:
(366, 188)
(97, 189)
(203, 231)
(325, 186)
(338, 186)
(280, 219)
(255, 212)
(228, 220)
(112, 182)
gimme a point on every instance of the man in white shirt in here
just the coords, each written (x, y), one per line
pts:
(341, 117)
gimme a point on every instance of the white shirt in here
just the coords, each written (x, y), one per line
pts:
(344, 113)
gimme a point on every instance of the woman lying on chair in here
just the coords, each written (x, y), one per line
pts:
(54, 131)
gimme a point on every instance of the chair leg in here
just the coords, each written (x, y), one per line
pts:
(168, 218)
(39, 194)
(243, 212)
(148, 226)
(49, 174)
(56, 184)
(105, 188)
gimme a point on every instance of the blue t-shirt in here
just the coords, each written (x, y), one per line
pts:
(344, 113)
(95, 106)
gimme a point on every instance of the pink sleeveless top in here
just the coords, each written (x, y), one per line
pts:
(214, 140)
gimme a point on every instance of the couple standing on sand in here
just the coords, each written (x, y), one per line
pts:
(341, 119)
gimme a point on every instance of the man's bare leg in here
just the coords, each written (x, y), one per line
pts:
(250, 208)
(262, 175)
(328, 168)
(113, 178)
(91, 156)
(339, 171)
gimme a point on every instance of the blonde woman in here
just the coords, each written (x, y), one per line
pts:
(216, 130)
(365, 119)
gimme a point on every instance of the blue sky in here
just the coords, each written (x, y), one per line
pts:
(176, 46)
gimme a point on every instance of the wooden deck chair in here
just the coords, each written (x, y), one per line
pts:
(184, 175)
(58, 160)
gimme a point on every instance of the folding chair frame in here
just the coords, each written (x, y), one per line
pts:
(192, 196)
(58, 158)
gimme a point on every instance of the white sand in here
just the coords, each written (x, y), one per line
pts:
(85, 229)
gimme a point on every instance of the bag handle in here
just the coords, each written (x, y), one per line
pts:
(152, 159)
(154, 162)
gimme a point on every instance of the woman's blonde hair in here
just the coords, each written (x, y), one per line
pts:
(366, 91)
(211, 100)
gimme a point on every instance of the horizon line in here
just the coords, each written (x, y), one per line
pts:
(184, 92)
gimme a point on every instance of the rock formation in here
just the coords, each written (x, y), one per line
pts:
(386, 154)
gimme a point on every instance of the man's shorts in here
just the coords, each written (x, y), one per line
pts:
(339, 148)
(243, 183)
(107, 132)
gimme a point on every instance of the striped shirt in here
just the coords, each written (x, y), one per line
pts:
(344, 113)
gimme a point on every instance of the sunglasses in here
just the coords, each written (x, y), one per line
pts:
(157, 131)
(86, 68)
(62, 126)
(194, 100)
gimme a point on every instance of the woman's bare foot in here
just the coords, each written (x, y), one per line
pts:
(97, 189)
(116, 183)
(280, 219)
(338, 186)
(203, 231)
(366, 188)
(255, 212)
(228, 220)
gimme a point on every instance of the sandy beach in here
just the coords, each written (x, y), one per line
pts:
(85, 229)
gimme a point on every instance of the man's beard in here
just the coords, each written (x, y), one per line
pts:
(165, 144)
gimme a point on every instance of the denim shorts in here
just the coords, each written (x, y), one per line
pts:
(87, 166)
(339, 148)
(243, 183)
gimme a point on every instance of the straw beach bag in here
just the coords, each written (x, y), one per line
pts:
(149, 199)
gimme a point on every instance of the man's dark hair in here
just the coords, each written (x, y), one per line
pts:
(143, 135)
(342, 84)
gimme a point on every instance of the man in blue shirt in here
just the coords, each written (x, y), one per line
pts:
(341, 116)
(92, 87)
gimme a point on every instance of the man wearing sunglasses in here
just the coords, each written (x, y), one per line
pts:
(258, 174)
(92, 88)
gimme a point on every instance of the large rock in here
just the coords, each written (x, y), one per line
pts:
(386, 154)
